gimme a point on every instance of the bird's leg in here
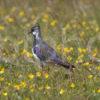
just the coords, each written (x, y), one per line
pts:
(43, 67)
(40, 65)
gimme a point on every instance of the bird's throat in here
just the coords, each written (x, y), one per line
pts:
(37, 39)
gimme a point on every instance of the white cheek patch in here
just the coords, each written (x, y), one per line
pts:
(34, 33)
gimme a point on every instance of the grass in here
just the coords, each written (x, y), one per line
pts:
(73, 31)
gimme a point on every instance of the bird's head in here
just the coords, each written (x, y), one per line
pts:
(35, 30)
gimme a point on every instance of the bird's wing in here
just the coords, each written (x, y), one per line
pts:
(48, 54)
(45, 52)
(39, 53)
(55, 58)
(51, 53)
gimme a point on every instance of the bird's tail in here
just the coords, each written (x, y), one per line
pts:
(65, 64)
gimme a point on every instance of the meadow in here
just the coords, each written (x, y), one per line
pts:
(72, 28)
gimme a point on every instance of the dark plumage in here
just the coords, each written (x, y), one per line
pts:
(43, 52)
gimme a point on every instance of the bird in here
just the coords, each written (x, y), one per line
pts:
(45, 53)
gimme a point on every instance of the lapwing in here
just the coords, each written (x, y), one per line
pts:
(44, 53)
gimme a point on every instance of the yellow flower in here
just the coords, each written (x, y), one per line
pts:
(31, 87)
(72, 85)
(5, 39)
(97, 29)
(86, 64)
(1, 79)
(25, 52)
(76, 61)
(90, 76)
(9, 84)
(2, 70)
(9, 19)
(29, 54)
(27, 98)
(98, 90)
(81, 34)
(84, 23)
(23, 84)
(21, 13)
(59, 47)
(80, 56)
(46, 75)
(5, 93)
(71, 49)
(2, 27)
(38, 74)
(45, 17)
(82, 50)
(31, 76)
(94, 53)
(66, 50)
(53, 23)
(17, 86)
(69, 58)
(62, 91)
(47, 87)
(79, 59)
(98, 68)
(67, 26)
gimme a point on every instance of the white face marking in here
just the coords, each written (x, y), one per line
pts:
(34, 33)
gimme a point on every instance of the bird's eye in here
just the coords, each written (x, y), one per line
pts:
(32, 29)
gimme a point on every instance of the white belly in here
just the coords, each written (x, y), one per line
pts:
(35, 56)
